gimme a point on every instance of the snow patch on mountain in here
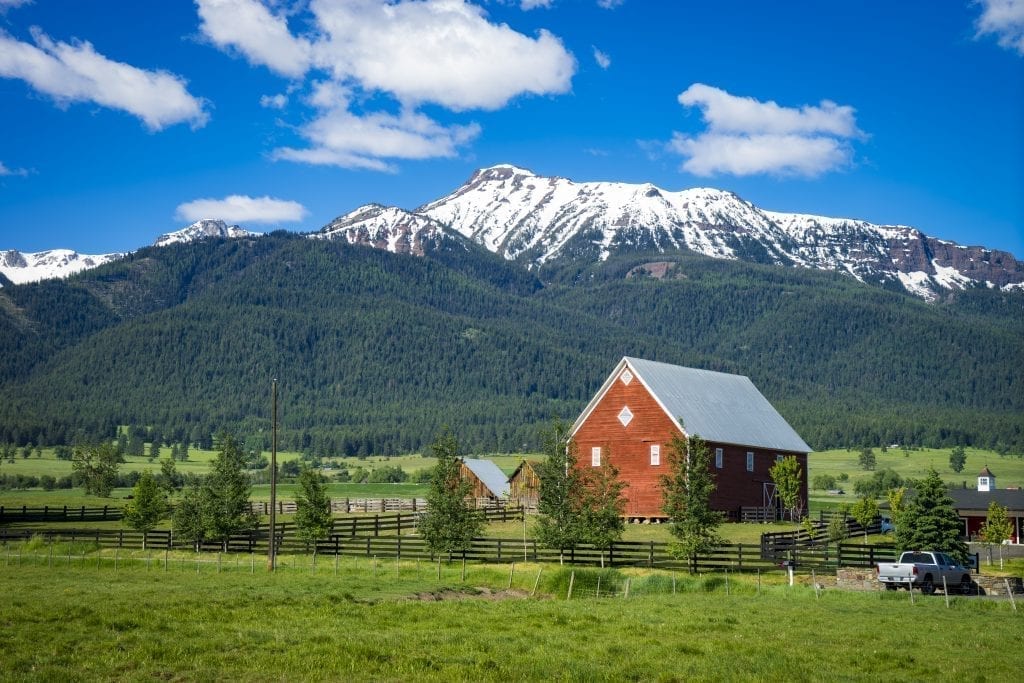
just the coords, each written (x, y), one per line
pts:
(383, 227)
(203, 229)
(21, 267)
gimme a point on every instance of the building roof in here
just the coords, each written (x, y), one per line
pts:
(716, 406)
(972, 499)
(532, 464)
(985, 472)
(490, 474)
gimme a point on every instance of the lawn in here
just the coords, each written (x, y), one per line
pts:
(385, 621)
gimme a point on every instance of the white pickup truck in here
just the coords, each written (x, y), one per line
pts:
(924, 571)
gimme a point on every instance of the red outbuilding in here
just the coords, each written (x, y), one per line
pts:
(642, 404)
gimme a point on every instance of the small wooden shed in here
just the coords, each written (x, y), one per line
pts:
(488, 483)
(524, 485)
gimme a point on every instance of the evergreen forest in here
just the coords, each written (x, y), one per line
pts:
(376, 353)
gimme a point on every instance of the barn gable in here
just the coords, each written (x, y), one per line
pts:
(716, 406)
(524, 484)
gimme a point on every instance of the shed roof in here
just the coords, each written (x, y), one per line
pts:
(972, 499)
(713, 405)
(490, 474)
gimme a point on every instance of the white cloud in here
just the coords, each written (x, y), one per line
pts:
(9, 4)
(609, 4)
(439, 51)
(5, 171)
(77, 73)
(603, 60)
(249, 27)
(1004, 19)
(527, 5)
(745, 136)
(242, 209)
(278, 101)
(415, 52)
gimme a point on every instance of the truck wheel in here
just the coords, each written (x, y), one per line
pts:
(891, 586)
(965, 585)
(927, 587)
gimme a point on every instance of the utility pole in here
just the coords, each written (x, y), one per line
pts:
(272, 551)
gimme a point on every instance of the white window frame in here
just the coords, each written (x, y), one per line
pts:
(750, 461)
(779, 457)
(655, 455)
(595, 456)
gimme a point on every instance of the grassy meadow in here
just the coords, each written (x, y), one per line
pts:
(385, 621)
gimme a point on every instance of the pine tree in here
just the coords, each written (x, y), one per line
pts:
(147, 506)
(687, 493)
(866, 459)
(313, 507)
(958, 459)
(225, 494)
(450, 523)
(929, 521)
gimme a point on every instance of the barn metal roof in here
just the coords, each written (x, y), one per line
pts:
(490, 474)
(972, 499)
(713, 405)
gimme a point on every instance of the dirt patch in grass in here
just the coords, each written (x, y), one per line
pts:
(479, 593)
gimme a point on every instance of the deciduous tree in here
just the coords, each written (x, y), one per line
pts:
(147, 506)
(189, 521)
(687, 493)
(450, 523)
(996, 529)
(865, 510)
(313, 507)
(788, 477)
(559, 523)
(601, 506)
(866, 459)
(96, 466)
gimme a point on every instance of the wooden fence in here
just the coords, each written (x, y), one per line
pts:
(60, 513)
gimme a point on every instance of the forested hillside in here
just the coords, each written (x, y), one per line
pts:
(375, 352)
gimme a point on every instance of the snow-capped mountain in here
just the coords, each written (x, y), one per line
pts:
(202, 229)
(19, 267)
(535, 219)
(388, 228)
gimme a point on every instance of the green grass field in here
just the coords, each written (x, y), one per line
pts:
(385, 621)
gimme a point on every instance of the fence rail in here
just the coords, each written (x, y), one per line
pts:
(60, 513)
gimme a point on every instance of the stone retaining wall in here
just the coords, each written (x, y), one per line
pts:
(865, 580)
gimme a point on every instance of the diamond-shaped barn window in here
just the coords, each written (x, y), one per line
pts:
(625, 416)
(626, 377)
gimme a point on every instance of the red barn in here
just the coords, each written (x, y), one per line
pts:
(642, 404)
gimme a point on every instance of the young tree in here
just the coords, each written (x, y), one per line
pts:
(788, 477)
(225, 494)
(896, 497)
(96, 466)
(837, 529)
(865, 511)
(687, 493)
(147, 506)
(189, 521)
(313, 507)
(601, 507)
(866, 459)
(958, 459)
(929, 521)
(168, 478)
(561, 488)
(996, 529)
(450, 523)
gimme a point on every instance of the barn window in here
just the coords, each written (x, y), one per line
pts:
(655, 454)
(750, 461)
(625, 416)
(778, 458)
(595, 456)
(626, 377)
(718, 458)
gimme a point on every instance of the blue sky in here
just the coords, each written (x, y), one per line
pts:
(123, 120)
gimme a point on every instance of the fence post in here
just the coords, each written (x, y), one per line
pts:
(650, 556)
(104, 513)
(120, 538)
(376, 525)
(399, 522)
(499, 550)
